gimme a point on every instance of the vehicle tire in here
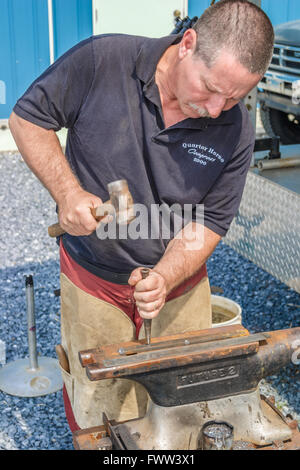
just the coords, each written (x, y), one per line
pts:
(277, 123)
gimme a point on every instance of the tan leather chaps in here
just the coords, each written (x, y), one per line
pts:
(88, 322)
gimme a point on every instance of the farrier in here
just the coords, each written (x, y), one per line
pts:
(134, 107)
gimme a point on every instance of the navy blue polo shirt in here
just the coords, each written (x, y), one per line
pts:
(103, 90)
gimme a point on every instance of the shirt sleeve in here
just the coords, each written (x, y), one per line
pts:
(55, 98)
(221, 203)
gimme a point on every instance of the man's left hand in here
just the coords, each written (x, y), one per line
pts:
(150, 293)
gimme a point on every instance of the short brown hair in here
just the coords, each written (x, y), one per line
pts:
(239, 27)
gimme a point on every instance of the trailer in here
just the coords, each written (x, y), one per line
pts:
(266, 229)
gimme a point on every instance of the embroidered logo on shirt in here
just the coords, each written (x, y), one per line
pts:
(203, 155)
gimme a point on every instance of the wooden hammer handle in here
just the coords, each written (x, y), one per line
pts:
(55, 230)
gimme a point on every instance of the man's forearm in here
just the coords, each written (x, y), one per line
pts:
(183, 257)
(42, 152)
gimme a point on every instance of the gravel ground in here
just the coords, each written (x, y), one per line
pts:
(26, 211)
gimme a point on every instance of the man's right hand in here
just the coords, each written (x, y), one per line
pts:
(74, 212)
(42, 152)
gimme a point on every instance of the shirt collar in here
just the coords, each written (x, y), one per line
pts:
(150, 53)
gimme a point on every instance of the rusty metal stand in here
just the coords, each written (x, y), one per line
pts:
(110, 436)
(99, 438)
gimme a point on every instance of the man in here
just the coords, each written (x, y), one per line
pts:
(166, 115)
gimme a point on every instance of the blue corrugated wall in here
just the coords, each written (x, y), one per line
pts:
(279, 11)
(72, 23)
(24, 50)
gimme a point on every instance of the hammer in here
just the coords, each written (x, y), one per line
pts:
(120, 203)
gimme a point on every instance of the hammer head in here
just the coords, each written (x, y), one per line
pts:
(120, 203)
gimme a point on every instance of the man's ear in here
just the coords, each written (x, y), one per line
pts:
(188, 42)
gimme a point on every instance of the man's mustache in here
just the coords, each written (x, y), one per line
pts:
(201, 111)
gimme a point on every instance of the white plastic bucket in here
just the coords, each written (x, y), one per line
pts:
(225, 312)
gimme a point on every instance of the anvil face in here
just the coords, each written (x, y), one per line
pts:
(196, 366)
(179, 369)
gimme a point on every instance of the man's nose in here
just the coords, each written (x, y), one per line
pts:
(215, 105)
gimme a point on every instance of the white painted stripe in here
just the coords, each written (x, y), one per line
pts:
(95, 17)
(185, 8)
(51, 33)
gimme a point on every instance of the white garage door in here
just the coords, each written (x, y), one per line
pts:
(153, 18)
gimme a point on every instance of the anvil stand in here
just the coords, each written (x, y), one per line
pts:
(38, 376)
(192, 379)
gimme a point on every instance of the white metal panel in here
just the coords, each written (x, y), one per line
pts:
(152, 18)
(267, 228)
